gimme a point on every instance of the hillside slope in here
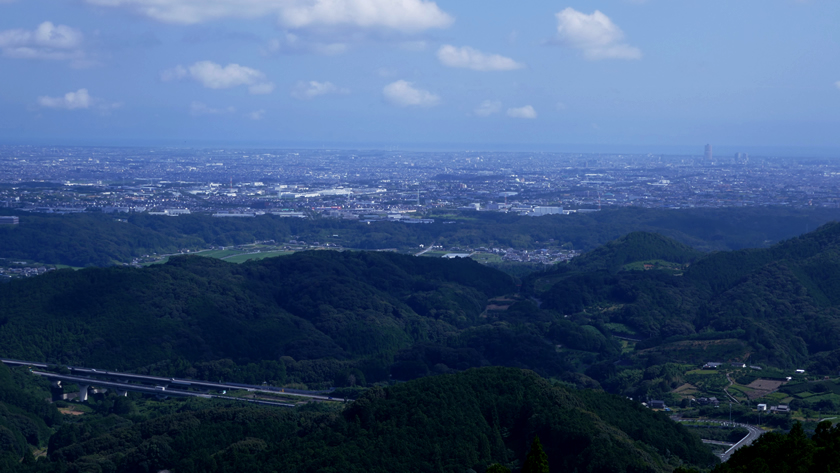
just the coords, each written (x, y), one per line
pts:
(448, 423)
(307, 306)
(779, 305)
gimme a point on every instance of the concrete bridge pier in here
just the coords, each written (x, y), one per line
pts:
(83, 393)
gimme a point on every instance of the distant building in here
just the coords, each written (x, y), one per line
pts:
(712, 365)
(707, 401)
(290, 214)
(657, 404)
(456, 255)
(176, 212)
(10, 220)
(540, 211)
(234, 214)
(761, 407)
(708, 152)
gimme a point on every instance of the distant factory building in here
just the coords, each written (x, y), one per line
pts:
(9, 220)
(176, 212)
(708, 152)
(234, 214)
(540, 211)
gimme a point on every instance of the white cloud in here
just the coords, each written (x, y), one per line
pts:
(291, 43)
(404, 94)
(488, 107)
(837, 84)
(310, 90)
(79, 99)
(198, 109)
(474, 59)
(595, 35)
(214, 76)
(401, 15)
(70, 100)
(522, 112)
(256, 115)
(47, 41)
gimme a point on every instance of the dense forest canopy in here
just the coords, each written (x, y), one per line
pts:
(448, 423)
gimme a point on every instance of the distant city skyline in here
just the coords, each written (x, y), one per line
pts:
(634, 76)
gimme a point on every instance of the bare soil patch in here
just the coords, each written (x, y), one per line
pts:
(763, 387)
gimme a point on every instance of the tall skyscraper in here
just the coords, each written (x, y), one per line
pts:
(708, 152)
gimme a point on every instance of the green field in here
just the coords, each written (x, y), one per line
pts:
(241, 258)
(619, 328)
(486, 258)
(218, 253)
(657, 264)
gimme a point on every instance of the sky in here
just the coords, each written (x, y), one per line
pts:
(641, 75)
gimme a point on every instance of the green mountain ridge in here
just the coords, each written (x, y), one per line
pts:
(783, 302)
(340, 307)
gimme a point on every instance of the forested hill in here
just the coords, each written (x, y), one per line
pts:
(103, 239)
(320, 305)
(449, 423)
(631, 248)
(26, 419)
(779, 305)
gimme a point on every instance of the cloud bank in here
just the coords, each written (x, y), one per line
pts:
(474, 59)
(404, 94)
(214, 76)
(47, 41)
(401, 15)
(595, 35)
(80, 99)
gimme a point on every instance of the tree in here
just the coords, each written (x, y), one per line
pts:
(497, 468)
(537, 460)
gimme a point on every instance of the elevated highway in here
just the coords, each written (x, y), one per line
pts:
(153, 384)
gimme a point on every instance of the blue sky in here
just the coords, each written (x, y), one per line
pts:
(647, 75)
